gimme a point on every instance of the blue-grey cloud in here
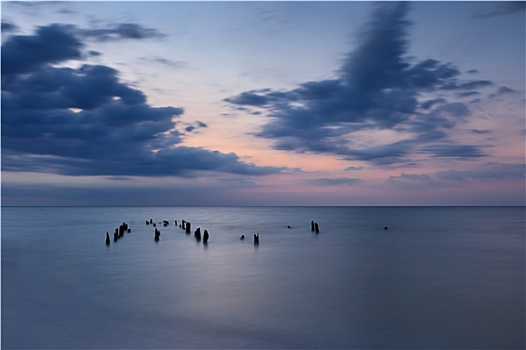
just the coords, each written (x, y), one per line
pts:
(377, 87)
(121, 31)
(197, 125)
(50, 44)
(58, 43)
(480, 132)
(503, 90)
(502, 8)
(490, 171)
(328, 182)
(455, 178)
(453, 150)
(164, 61)
(86, 121)
(412, 182)
(8, 27)
(354, 168)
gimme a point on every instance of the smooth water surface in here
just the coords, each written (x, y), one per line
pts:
(439, 277)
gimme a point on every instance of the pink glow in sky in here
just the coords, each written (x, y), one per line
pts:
(263, 103)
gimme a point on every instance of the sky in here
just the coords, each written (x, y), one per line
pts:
(175, 103)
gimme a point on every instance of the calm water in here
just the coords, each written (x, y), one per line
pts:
(439, 277)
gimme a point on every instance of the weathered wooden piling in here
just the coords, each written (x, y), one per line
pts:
(316, 227)
(157, 234)
(256, 238)
(242, 237)
(123, 228)
(197, 234)
(188, 227)
(312, 226)
(205, 237)
(107, 238)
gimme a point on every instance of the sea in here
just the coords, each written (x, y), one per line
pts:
(372, 278)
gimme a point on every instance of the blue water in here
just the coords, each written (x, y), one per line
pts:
(438, 278)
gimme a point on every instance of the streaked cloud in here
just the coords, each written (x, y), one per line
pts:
(341, 181)
(502, 8)
(121, 31)
(491, 171)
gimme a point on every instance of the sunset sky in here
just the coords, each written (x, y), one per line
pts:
(263, 103)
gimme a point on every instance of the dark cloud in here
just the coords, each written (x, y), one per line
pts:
(251, 98)
(468, 93)
(8, 27)
(453, 150)
(377, 87)
(58, 43)
(165, 62)
(85, 121)
(121, 31)
(503, 8)
(480, 132)
(429, 103)
(456, 109)
(353, 168)
(503, 90)
(50, 44)
(328, 182)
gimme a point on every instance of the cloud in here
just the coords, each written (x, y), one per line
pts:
(353, 168)
(412, 182)
(480, 132)
(165, 62)
(121, 31)
(503, 90)
(503, 8)
(8, 27)
(490, 171)
(377, 87)
(58, 43)
(50, 44)
(197, 125)
(453, 150)
(455, 178)
(328, 182)
(85, 121)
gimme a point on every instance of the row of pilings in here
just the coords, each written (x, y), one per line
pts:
(187, 227)
(119, 233)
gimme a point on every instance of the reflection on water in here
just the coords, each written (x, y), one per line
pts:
(438, 278)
